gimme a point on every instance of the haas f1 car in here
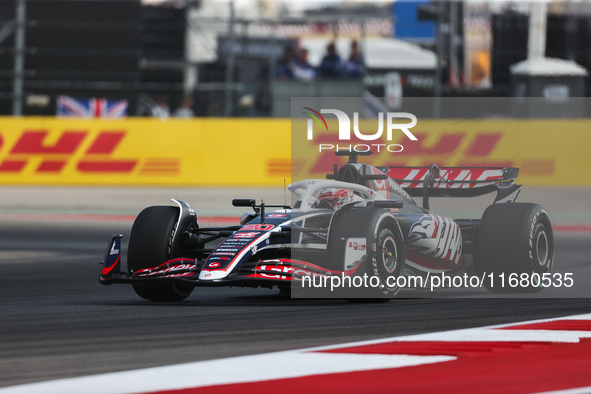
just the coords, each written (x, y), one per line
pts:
(361, 220)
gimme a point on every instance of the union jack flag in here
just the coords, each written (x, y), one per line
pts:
(90, 107)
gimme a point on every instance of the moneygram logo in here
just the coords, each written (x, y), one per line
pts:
(345, 129)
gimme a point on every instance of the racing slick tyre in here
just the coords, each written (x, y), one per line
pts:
(384, 255)
(514, 239)
(150, 244)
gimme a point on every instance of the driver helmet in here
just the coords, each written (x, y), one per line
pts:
(332, 198)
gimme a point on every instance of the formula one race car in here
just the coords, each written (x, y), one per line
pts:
(361, 220)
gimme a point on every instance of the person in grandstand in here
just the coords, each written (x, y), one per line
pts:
(286, 64)
(186, 108)
(355, 65)
(332, 64)
(161, 110)
(303, 71)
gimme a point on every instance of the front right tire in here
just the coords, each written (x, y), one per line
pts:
(150, 244)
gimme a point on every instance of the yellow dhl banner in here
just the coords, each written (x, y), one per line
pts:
(144, 152)
(548, 152)
(258, 152)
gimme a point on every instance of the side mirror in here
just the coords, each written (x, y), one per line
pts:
(247, 217)
(243, 202)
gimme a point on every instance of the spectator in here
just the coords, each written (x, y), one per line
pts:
(286, 64)
(331, 65)
(303, 71)
(186, 108)
(161, 110)
(355, 66)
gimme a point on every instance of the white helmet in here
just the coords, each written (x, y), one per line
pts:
(332, 198)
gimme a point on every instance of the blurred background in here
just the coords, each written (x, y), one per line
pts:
(247, 58)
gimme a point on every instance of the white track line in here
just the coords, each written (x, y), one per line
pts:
(580, 390)
(289, 364)
(459, 335)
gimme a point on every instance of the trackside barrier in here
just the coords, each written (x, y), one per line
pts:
(257, 152)
(212, 152)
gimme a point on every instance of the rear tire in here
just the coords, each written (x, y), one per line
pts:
(514, 238)
(150, 244)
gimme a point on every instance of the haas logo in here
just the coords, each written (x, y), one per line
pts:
(437, 236)
(426, 227)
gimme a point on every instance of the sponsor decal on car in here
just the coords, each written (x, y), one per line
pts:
(356, 245)
(113, 250)
(246, 235)
(425, 227)
(437, 237)
(177, 275)
(280, 269)
(156, 271)
(219, 258)
(258, 227)
(235, 243)
(354, 251)
(214, 265)
(451, 178)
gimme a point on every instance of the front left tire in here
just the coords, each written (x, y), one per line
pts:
(384, 255)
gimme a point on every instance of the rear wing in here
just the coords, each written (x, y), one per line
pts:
(436, 181)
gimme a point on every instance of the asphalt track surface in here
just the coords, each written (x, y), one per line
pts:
(57, 321)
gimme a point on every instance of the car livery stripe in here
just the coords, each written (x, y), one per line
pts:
(263, 237)
(295, 265)
(106, 270)
(179, 260)
(238, 256)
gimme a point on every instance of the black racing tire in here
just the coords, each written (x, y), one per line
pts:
(388, 259)
(514, 238)
(150, 244)
(284, 291)
(385, 253)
